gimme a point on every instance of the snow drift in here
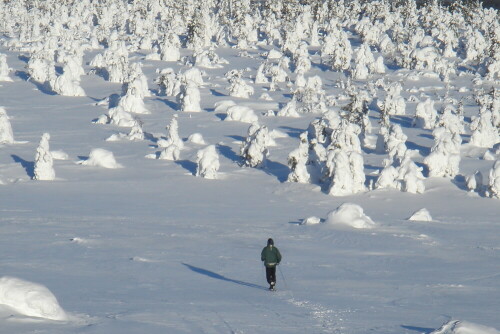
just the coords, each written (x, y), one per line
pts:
(350, 214)
(101, 158)
(30, 299)
(464, 327)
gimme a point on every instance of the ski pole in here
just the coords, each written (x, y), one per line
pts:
(283, 277)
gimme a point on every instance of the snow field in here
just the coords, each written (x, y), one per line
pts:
(283, 125)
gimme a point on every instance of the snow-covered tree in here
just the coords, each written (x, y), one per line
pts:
(484, 133)
(394, 103)
(208, 162)
(345, 170)
(474, 182)
(43, 169)
(173, 143)
(426, 115)
(66, 84)
(336, 50)
(169, 83)
(4, 68)
(297, 161)
(494, 181)
(189, 97)
(444, 159)
(237, 85)
(254, 150)
(6, 134)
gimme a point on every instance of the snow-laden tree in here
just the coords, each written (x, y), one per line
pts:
(254, 150)
(41, 70)
(388, 177)
(189, 97)
(260, 77)
(237, 85)
(136, 132)
(199, 32)
(444, 159)
(396, 142)
(116, 116)
(484, 133)
(311, 97)
(346, 172)
(169, 82)
(290, 109)
(301, 58)
(394, 103)
(426, 115)
(6, 133)
(474, 181)
(336, 50)
(363, 61)
(66, 84)
(133, 98)
(138, 79)
(475, 45)
(173, 143)
(169, 47)
(44, 169)
(494, 181)
(4, 68)
(207, 161)
(297, 162)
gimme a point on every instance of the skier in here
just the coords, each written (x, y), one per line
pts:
(271, 257)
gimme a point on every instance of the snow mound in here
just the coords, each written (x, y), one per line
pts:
(350, 214)
(101, 158)
(313, 220)
(30, 299)
(241, 114)
(59, 155)
(196, 138)
(464, 327)
(421, 215)
(222, 106)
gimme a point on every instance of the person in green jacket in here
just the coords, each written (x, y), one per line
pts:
(271, 257)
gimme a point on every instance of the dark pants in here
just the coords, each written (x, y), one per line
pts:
(271, 274)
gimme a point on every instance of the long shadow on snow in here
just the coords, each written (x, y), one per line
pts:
(43, 87)
(188, 165)
(277, 169)
(228, 153)
(29, 166)
(212, 274)
(419, 329)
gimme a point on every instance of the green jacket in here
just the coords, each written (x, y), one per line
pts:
(271, 256)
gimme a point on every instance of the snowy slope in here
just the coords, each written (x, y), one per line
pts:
(150, 248)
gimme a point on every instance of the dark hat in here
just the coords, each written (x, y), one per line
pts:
(270, 242)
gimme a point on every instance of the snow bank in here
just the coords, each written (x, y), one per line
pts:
(421, 215)
(101, 158)
(30, 299)
(464, 327)
(351, 215)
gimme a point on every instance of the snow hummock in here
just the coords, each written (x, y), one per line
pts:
(30, 299)
(421, 215)
(101, 158)
(313, 220)
(464, 327)
(350, 214)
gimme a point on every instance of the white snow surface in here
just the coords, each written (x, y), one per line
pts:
(151, 248)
